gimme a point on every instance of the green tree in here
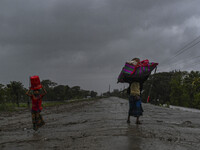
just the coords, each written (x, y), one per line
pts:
(93, 94)
(15, 91)
(75, 91)
(2, 93)
(176, 89)
(68, 93)
(158, 88)
(196, 88)
(85, 93)
(49, 86)
(59, 92)
(196, 102)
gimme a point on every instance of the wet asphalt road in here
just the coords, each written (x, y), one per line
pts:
(101, 125)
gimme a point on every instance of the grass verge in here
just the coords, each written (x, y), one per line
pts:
(13, 107)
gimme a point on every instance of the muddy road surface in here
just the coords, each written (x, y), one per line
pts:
(101, 125)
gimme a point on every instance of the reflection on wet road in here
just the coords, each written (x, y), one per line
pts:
(101, 125)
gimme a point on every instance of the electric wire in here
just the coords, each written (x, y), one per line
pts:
(182, 50)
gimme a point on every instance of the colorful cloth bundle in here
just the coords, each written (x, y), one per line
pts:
(139, 73)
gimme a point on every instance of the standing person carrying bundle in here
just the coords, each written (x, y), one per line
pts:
(135, 72)
(134, 90)
(36, 97)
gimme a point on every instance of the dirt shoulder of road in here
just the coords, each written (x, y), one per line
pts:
(48, 106)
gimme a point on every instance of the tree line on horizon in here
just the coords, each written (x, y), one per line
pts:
(179, 88)
(14, 92)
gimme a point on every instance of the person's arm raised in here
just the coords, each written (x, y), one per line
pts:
(28, 92)
(45, 92)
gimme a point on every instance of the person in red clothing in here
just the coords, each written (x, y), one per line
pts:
(36, 107)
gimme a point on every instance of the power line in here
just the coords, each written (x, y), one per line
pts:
(193, 64)
(172, 64)
(185, 61)
(183, 49)
(189, 64)
(187, 48)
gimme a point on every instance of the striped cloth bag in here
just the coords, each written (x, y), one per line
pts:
(139, 73)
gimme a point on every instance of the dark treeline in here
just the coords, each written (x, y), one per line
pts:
(180, 88)
(14, 92)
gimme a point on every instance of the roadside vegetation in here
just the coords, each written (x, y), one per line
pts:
(179, 88)
(12, 95)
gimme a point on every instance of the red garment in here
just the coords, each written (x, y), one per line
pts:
(37, 102)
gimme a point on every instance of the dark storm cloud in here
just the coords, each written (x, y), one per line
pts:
(86, 42)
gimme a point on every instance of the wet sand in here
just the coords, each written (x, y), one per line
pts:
(101, 125)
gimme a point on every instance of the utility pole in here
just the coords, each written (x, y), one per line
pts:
(148, 98)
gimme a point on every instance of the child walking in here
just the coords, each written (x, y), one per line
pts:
(36, 107)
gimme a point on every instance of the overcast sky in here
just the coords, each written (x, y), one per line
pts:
(86, 42)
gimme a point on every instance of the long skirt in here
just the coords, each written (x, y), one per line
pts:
(37, 120)
(135, 106)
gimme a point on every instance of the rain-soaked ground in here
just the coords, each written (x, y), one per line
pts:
(101, 125)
